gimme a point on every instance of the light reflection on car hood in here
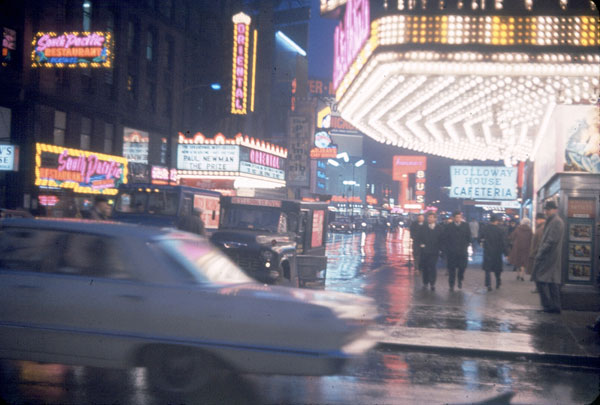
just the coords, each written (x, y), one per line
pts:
(345, 306)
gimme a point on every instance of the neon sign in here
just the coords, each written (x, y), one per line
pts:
(82, 171)
(265, 159)
(349, 36)
(239, 87)
(73, 49)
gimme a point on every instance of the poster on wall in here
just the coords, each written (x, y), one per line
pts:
(580, 251)
(580, 232)
(299, 143)
(317, 228)
(579, 272)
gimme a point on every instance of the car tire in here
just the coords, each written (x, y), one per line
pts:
(175, 370)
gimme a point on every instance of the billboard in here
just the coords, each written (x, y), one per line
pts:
(483, 182)
(9, 157)
(80, 170)
(207, 157)
(72, 49)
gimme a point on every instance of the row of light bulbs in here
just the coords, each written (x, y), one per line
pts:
(511, 106)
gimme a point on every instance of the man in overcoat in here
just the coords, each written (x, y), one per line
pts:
(455, 241)
(429, 242)
(495, 244)
(415, 230)
(547, 265)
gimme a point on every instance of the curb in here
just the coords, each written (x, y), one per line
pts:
(554, 358)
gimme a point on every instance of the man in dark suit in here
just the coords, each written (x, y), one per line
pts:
(415, 230)
(429, 242)
(455, 242)
(495, 244)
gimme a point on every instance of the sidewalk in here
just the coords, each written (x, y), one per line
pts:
(500, 323)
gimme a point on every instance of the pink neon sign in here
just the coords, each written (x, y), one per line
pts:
(239, 87)
(89, 166)
(265, 159)
(349, 37)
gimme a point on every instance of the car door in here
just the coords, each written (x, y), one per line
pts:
(80, 305)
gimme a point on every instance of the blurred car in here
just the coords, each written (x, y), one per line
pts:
(361, 225)
(342, 225)
(105, 294)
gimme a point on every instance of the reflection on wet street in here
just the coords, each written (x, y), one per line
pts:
(376, 265)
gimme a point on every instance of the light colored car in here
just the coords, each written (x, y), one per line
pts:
(117, 295)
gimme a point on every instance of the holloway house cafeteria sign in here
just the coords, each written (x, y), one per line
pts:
(483, 182)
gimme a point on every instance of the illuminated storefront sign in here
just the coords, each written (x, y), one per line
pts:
(72, 49)
(349, 37)
(230, 158)
(9, 45)
(323, 153)
(218, 158)
(483, 182)
(403, 170)
(9, 157)
(239, 85)
(162, 175)
(79, 170)
(318, 220)
(135, 145)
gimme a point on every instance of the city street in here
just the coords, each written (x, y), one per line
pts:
(419, 360)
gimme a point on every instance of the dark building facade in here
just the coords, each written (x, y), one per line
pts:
(161, 48)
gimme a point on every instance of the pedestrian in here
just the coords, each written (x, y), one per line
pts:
(493, 240)
(430, 239)
(101, 209)
(474, 228)
(540, 220)
(520, 241)
(455, 243)
(191, 223)
(415, 230)
(548, 260)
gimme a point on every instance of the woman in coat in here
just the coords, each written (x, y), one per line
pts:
(540, 220)
(520, 240)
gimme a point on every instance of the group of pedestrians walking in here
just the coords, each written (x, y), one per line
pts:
(536, 254)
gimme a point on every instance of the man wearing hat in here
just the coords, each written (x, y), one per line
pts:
(495, 244)
(540, 220)
(547, 265)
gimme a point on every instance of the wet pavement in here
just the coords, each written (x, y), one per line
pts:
(436, 347)
(467, 321)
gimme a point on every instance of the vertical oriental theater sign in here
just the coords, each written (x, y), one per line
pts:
(349, 37)
(82, 171)
(239, 85)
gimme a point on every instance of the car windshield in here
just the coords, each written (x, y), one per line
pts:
(147, 201)
(203, 262)
(253, 218)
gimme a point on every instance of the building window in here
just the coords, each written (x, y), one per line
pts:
(163, 151)
(151, 4)
(131, 86)
(168, 101)
(110, 21)
(131, 37)
(150, 45)
(86, 133)
(170, 53)
(60, 127)
(166, 8)
(86, 80)
(87, 15)
(151, 89)
(109, 136)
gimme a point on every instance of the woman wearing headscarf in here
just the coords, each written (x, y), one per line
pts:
(520, 240)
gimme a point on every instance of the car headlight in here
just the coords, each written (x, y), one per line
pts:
(388, 224)
(364, 224)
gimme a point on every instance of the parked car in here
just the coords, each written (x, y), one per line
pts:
(342, 225)
(107, 294)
